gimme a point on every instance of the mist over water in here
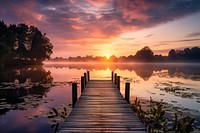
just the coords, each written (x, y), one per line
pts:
(27, 94)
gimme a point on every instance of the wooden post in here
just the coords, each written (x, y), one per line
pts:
(85, 77)
(115, 78)
(74, 94)
(82, 83)
(88, 74)
(118, 82)
(112, 74)
(127, 92)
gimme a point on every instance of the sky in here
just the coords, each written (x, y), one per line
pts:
(109, 27)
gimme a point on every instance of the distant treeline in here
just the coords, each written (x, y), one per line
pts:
(143, 55)
(23, 45)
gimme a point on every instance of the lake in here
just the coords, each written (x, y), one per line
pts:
(34, 99)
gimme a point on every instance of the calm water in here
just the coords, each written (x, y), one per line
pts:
(29, 96)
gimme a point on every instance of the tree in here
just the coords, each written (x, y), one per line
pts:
(41, 48)
(195, 53)
(113, 58)
(145, 54)
(24, 43)
(4, 42)
(189, 55)
(130, 58)
(159, 58)
(21, 33)
(4, 52)
(172, 55)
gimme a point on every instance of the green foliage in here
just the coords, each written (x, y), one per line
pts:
(154, 118)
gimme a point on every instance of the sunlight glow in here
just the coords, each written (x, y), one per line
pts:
(102, 74)
(107, 54)
(108, 57)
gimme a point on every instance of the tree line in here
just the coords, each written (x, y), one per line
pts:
(143, 55)
(22, 44)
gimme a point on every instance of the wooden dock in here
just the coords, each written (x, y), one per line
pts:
(102, 108)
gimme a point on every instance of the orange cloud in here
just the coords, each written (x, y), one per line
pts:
(73, 19)
(77, 27)
(74, 24)
(28, 14)
(133, 10)
(98, 3)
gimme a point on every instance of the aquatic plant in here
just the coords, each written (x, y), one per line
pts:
(57, 116)
(155, 120)
(155, 115)
(138, 109)
(183, 125)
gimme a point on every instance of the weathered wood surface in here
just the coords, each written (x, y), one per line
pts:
(102, 108)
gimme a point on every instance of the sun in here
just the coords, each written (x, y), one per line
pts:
(107, 55)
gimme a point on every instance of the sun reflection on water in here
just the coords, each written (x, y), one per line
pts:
(177, 85)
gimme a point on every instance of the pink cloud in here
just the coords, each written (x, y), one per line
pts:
(25, 12)
(75, 23)
(99, 3)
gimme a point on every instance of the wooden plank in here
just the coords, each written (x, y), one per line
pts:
(102, 108)
(85, 110)
(97, 130)
(103, 125)
(110, 129)
(103, 117)
(103, 120)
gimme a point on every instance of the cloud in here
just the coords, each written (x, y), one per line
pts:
(160, 44)
(131, 38)
(148, 13)
(110, 17)
(98, 3)
(184, 40)
(150, 35)
(195, 34)
(90, 19)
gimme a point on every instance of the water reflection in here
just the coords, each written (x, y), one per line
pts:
(176, 84)
(32, 92)
(33, 74)
(145, 71)
(23, 88)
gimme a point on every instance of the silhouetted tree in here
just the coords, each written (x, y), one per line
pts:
(172, 55)
(22, 35)
(130, 58)
(195, 54)
(4, 41)
(189, 55)
(21, 42)
(113, 58)
(41, 48)
(4, 51)
(159, 58)
(145, 54)
(122, 58)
